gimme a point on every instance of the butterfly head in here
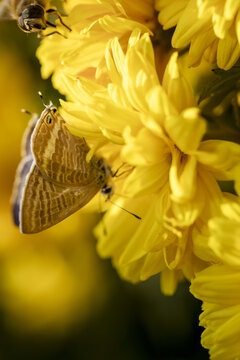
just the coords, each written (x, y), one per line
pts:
(107, 190)
(49, 115)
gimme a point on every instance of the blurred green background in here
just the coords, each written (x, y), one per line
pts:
(58, 299)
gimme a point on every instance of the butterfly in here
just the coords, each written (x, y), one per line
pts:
(31, 15)
(54, 179)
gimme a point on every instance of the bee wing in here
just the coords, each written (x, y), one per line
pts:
(44, 203)
(6, 12)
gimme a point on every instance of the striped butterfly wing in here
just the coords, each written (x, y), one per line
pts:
(22, 169)
(26, 139)
(18, 187)
(53, 179)
(60, 155)
(45, 203)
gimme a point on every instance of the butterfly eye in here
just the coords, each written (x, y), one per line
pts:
(49, 120)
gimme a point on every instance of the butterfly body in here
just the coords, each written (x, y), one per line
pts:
(54, 179)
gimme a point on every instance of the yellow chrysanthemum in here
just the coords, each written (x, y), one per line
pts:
(225, 233)
(156, 130)
(92, 23)
(219, 288)
(212, 28)
(218, 285)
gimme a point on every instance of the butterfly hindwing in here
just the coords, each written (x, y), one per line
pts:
(45, 203)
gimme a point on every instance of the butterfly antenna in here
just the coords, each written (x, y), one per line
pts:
(41, 96)
(26, 111)
(129, 212)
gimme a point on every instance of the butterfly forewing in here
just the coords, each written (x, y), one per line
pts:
(60, 155)
(26, 139)
(19, 185)
(23, 169)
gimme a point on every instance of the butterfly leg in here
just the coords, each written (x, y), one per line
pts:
(116, 173)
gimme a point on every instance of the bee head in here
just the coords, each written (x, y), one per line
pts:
(32, 19)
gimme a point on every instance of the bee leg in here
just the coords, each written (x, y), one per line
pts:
(55, 10)
(42, 36)
(59, 14)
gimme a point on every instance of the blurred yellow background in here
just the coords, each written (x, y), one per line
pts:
(58, 300)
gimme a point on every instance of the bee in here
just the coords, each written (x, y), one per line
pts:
(31, 15)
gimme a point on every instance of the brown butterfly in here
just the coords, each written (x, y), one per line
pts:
(31, 15)
(53, 179)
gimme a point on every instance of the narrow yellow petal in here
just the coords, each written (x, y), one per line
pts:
(182, 177)
(199, 46)
(134, 150)
(189, 25)
(228, 52)
(230, 9)
(181, 127)
(170, 12)
(154, 263)
(225, 240)
(220, 25)
(146, 180)
(217, 284)
(174, 84)
(169, 281)
(219, 156)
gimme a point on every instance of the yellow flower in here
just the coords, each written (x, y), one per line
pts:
(212, 28)
(225, 234)
(93, 24)
(218, 286)
(171, 178)
(151, 127)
